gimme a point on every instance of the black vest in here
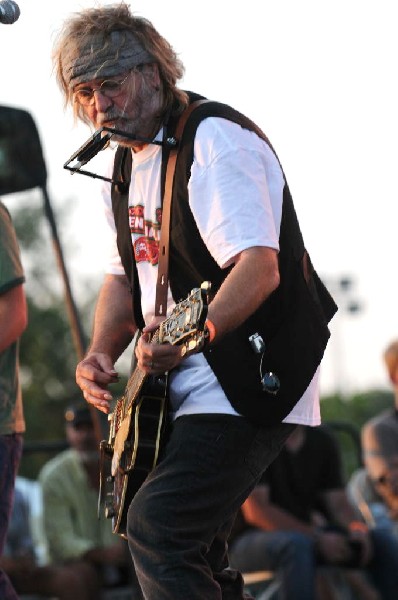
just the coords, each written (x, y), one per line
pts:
(293, 321)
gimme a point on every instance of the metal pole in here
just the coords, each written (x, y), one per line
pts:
(75, 322)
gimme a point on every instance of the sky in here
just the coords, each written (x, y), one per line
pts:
(320, 79)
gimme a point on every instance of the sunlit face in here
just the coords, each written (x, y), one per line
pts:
(129, 102)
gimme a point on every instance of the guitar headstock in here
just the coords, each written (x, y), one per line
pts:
(186, 324)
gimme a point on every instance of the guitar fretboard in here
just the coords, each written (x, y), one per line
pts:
(136, 382)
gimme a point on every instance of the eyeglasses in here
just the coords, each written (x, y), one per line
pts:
(108, 88)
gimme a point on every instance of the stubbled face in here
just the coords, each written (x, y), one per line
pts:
(133, 110)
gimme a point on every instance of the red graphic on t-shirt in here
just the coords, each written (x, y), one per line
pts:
(145, 234)
(136, 219)
(146, 250)
(153, 251)
(140, 251)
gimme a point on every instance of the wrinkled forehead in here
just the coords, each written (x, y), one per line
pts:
(100, 57)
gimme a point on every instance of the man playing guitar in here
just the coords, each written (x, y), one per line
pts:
(235, 396)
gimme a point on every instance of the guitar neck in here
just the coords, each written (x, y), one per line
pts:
(185, 326)
(137, 378)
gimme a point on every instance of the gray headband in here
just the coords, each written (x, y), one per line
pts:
(102, 57)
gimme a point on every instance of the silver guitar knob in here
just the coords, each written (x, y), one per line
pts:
(109, 511)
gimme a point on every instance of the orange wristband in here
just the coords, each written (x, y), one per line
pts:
(211, 329)
(358, 526)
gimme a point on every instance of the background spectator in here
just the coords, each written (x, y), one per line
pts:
(20, 561)
(75, 533)
(299, 518)
(13, 321)
(380, 451)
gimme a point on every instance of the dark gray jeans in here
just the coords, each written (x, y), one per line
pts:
(10, 457)
(180, 519)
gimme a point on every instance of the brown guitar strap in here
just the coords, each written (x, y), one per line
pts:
(163, 268)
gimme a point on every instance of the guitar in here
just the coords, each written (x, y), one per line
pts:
(137, 424)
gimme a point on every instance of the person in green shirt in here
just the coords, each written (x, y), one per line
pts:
(13, 321)
(74, 533)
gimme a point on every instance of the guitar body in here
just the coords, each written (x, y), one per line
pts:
(146, 424)
(138, 423)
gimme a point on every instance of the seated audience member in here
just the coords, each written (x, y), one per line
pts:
(299, 518)
(380, 443)
(75, 534)
(20, 564)
(369, 504)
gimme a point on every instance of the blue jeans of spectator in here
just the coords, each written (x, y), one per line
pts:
(10, 457)
(291, 555)
(384, 566)
(179, 521)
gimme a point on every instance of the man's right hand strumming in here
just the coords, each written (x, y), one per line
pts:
(93, 375)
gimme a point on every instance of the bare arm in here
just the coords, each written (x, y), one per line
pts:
(375, 460)
(13, 316)
(253, 278)
(115, 554)
(343, 514)
(260, 512)
(339, 507)
(114, 328)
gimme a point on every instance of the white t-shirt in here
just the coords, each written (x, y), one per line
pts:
(235, 195)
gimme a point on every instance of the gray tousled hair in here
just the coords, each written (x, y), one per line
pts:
(107, 41)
